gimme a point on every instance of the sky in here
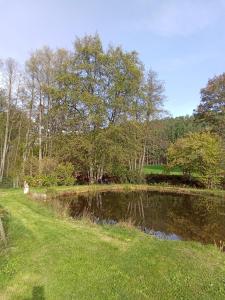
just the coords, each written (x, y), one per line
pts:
(182, 40)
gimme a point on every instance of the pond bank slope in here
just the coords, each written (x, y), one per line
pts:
(77, 189)
(57, 258)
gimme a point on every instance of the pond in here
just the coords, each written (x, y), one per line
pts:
(166, 216)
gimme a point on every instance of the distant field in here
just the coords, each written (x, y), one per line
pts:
(159, 169)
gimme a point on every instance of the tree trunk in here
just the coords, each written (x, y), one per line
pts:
(40, 136)
(5, 145)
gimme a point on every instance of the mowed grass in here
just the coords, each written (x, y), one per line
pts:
(160, 169)
(48, 257)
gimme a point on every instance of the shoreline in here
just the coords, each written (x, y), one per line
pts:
(79, 189)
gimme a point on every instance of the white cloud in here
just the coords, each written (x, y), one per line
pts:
(179, 17)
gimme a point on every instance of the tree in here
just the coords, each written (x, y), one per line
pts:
(211, 110)
(11, 116)
(198, 153)
(162, 132)
(100, 93)
(90, 107)
(39, 69)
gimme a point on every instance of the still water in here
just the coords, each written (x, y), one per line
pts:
(167, 216)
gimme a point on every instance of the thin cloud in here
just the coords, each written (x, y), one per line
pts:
(180, 18)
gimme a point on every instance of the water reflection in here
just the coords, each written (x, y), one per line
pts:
(166, 216)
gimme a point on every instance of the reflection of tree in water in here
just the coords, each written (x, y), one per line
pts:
(198, 219)
(190, 217)
(135, 210)
(85, 205)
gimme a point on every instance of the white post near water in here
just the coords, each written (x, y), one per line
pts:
(25, 188)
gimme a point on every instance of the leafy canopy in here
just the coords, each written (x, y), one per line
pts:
(211, 110)
(198, 153)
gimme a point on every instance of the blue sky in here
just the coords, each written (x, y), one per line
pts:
(182, 40)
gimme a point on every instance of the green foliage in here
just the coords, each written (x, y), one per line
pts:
(41, 180)
(162, 132)
(90, 107)
(48, 165)
(134, 176)
(211, 110)
(64, 174)
(198, 153)
(7, 182)
(97, 109)
(107, 101)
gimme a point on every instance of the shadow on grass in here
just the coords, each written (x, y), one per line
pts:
(38, 293)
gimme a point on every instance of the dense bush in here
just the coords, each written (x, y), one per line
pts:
(64, 174)
(199, 153)
(54, 175)
(41, 180)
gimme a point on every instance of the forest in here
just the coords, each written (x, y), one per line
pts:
(94, 113)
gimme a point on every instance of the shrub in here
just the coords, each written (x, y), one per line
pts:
(53, 175)
(199, 153)
(48, 166)
(64, 174)
(48, 180)
(41, 180)
(135, 177)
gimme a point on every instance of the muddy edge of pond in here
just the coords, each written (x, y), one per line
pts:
(76, 190)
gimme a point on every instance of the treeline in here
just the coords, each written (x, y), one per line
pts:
(164, 132)
(87, 113)
(89, 107)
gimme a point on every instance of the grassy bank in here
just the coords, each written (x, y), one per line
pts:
(129, 187)
(53, 258)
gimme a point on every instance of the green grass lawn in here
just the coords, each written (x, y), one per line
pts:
(159, 169)
(53, 258)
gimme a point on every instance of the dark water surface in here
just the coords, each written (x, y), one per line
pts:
(167, 216)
